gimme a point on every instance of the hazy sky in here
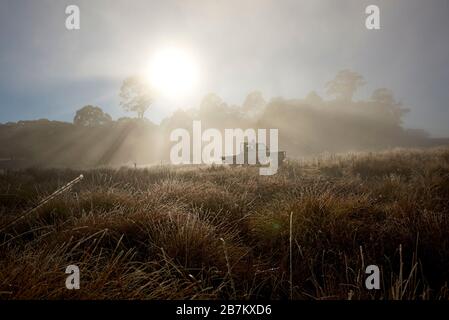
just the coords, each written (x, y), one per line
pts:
(283, 48)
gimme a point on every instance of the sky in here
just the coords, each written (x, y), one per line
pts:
(281, 47)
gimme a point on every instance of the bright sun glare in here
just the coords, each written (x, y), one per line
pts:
(173, 72)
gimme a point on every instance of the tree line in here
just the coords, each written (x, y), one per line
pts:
(307, 126)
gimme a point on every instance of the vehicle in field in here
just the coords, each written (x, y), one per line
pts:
(250, 151)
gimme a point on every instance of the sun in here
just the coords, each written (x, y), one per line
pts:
(173, 72)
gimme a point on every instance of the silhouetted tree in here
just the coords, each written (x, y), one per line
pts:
(383, 95)
(211, 102)
(135, 96)
(345, 84)
(384, 99)
(313, 98)
(254, 104)
(91, 116)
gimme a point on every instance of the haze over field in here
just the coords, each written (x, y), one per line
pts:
(286, 49)
(307, 126)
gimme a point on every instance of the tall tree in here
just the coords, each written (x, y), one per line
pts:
(211, 102)
(383, 95)
(135, 96)
(385, 100)
(91, 116)
(344, 85)
(254, 104)
(313, 98)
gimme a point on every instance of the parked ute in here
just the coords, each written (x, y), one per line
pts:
(247, 148)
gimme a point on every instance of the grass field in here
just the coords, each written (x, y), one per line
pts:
(224, 232)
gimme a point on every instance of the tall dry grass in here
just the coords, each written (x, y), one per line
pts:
(223, 232)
